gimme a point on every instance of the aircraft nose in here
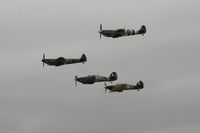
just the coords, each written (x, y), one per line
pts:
(77, 79)
(109, 87)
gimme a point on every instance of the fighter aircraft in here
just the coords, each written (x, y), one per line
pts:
(91, 79)
(122, 87)
(121, 32)
(62, 61)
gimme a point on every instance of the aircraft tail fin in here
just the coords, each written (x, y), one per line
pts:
(140, 85)
(83, 58)
(142, 30)
(113, 76)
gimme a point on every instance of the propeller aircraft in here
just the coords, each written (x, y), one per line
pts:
(63, 61)
(91, 79)
(121, 32)
(122, 87)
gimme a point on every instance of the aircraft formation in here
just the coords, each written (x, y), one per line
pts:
(91, 79)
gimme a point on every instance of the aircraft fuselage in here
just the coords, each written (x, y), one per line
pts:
(122, 87)
(91, 79)
(121, 32)
(61, 61)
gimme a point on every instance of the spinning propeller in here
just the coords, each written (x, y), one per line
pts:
(105, 87)
(100, 30)
(43, 59)
(75, 78)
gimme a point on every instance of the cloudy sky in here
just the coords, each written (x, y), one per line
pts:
(34, 99)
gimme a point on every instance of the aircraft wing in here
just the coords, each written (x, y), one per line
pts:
(119, 88)
(119, 33)
(90, 79)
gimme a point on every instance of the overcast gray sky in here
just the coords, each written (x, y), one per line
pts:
(34, 99)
